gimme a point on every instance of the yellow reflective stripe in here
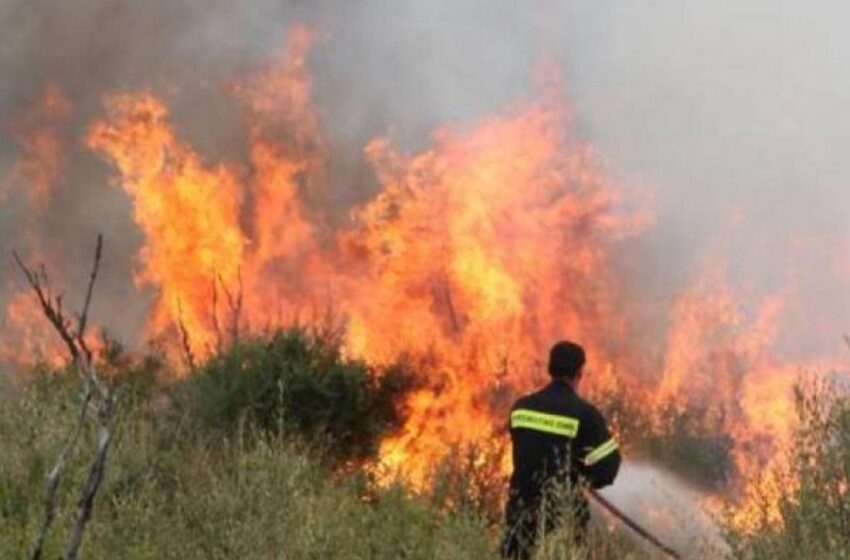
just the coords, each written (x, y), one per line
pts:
(600, 452)
(542, 422)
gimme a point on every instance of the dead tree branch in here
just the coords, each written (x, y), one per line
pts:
(83, 317)
(185, 340)
(51, 305)
(96, 470)
(54, 477)
(219, 341)
(234, 303)
(95, 393)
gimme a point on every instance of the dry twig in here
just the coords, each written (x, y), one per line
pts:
(219, 341)
(185, 341)
(95, 392)
(234, 302)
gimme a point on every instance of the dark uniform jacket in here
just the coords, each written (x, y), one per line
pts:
(557, 434)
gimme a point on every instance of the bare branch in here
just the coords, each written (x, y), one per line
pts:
(84, 315)
(54, 477)
(186, 343)
(216, 326)
(93, 390)
(234, 303)
(96, 470)
(50, 306)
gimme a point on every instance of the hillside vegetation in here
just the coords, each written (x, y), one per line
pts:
(261, 452)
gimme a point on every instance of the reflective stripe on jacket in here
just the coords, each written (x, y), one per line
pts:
(556, 433)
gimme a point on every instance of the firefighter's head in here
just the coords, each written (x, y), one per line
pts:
(566, 361)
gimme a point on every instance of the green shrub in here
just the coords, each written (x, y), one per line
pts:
(200, 496)
(295, 382)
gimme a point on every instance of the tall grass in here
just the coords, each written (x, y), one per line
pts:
(175, 493)
(255, 456)
(802, 509)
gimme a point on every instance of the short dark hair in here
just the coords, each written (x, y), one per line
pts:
(566, 359)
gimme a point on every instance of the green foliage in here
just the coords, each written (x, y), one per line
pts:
(210, 473)
(298, 383)
(813, 516)
(248, 495)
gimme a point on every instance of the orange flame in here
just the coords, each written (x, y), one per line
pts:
(479, 252)
(38, 133)
(188, 211)
(24, 335)
(476, 254)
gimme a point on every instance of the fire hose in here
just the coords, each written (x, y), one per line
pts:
(632, 524)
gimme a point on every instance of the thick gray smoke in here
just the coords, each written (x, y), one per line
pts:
(731, 111)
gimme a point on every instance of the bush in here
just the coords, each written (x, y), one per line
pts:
(803, 511)
(692, 443)
(295, 382)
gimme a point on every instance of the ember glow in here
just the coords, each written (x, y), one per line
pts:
(476, 253)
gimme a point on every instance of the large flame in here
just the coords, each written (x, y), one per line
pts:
(189, 212)
(479, 251)
(38, 133)
(40, 136)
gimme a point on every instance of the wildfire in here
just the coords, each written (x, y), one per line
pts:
(188, 211)
(475, 255)
(40, 137)
(480, 251)
(38, 133)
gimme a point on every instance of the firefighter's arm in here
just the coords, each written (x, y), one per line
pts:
(600, 455)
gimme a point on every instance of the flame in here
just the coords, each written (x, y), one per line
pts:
(24, 335)
(188, 211)
(717, 359)
(480, 251)
(197, 252)
(477, 252)
(287, 156)
(38, 132)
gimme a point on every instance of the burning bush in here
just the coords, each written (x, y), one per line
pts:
(803, 510)
(694, 444)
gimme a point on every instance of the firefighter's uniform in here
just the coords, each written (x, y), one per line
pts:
(557, 436)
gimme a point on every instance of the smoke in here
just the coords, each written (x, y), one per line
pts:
(668, 508)
(732, 112)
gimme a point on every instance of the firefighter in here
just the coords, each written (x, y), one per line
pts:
(560, 441)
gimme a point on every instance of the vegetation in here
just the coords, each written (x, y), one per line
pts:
(233, 463)
(252, 457)
(688, 440)
(175, 489)
(691, 442)
(296, 382)
(812, 492)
